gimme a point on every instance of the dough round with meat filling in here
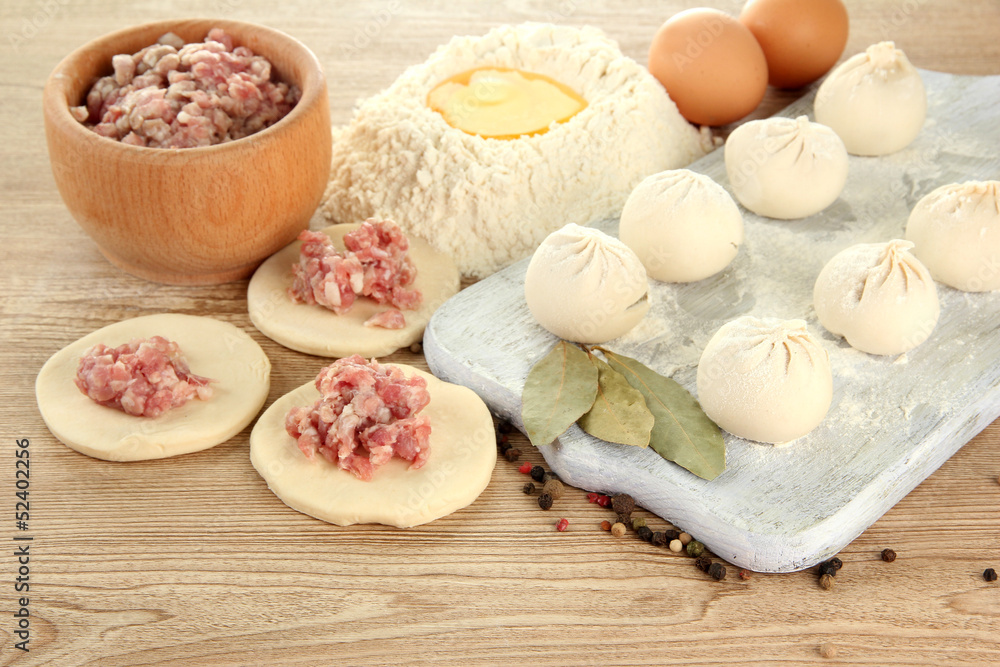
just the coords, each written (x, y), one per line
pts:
(462, 456)
(213, 349)
(314, 329)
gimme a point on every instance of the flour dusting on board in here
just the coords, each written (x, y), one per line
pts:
(890, 423)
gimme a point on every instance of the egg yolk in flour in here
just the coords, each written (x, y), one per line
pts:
(499, 103)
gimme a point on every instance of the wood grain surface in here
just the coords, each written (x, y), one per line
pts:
(192, 561)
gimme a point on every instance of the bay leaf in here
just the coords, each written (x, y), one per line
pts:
(619, 414)
(559, 389)
(683, 433)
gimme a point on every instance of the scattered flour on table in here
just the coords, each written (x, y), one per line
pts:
(489, 202)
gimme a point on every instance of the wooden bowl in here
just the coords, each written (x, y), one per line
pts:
(202, 215)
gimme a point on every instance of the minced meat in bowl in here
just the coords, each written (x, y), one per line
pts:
(176, 95)
(205, 214)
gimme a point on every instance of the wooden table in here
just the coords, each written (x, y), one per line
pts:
(192, 561)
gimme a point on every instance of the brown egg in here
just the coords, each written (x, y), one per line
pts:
(802, 39)
(710, 64)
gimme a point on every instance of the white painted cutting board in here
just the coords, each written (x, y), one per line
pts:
(892, 422)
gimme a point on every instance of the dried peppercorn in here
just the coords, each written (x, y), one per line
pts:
(695, 548)
(826, 582)
(672, 535)
(550, 476)
(836, 562)
(562, 525)
(592, 497)
(826, 567)
(545, 501)
(525, 468)
(828, 651)
(623, 503)
(537, 472)
(685, 538)
(554, 488)
(645, 533)
(416, 348)
(637, 523)
(618, 529)
(528, 488)
(658, 539)
(603, 501)
(512, 454)
(676, 546)
(744, 574)
(888, 555)
(989, 574)
(505, 427)
(627, 520)
(717, 571)
(605, 525)
(703, 562)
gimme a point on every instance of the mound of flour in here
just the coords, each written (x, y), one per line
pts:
(490, 202)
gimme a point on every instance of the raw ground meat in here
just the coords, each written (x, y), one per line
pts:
(366, 414)
(145, 377)
(387, 319)
(375, 265)
(176, 95)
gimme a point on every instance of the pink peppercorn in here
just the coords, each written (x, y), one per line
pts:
(525, 468)
(604, 501)
(562, 525)
(592, 497)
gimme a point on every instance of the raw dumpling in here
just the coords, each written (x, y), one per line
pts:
(585, 286)
(878, 296)
(956, 232)
(785, 168)
(765, 379)
(683, 226)
(875, 101)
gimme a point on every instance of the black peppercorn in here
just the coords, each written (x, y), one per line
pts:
(645, 533)
(624, 519)
(623, 503)
(505, 427)
(658, 539)
(717, 571)
(888, 555)
(512, 454)
(836, 563)
(537, 473)
(827, 567)
(703, 562)
(528, 488)
(549, 476)
(545, 501)
(671, 535)
(989, 574)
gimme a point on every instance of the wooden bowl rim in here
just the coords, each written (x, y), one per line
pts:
(59, 85)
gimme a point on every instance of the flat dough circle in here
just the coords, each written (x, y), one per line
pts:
(463, 454)
(213, 349)
(314, 329)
